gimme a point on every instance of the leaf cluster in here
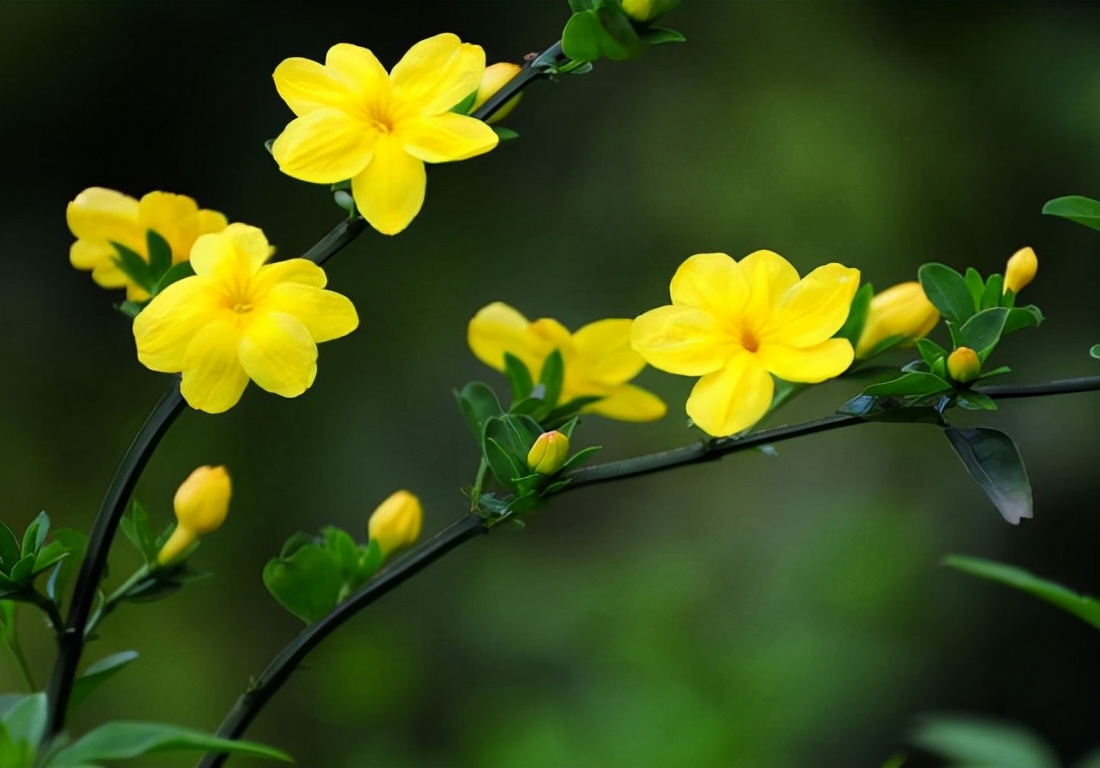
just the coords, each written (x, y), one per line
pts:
(602, 29)
(152, 276)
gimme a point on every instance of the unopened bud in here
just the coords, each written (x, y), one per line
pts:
(201, 505)
(648, 10)
(496, 75)
(963, 365)
(396, 522)
(1020, 270)
(901, 310)
(548, 453)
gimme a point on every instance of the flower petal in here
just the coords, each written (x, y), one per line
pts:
(681, 340)
(360, 70)
(211, 221)
(437, 73)
(498, 328)
(326, 315)
(165, 328)
(604, 352)
(324, 146)
(213, 379)
(814, 309)
(306, 86)
(732, 399)
(300, 271)
(89, 254)
(103, 214)
(390, 190)
(278, 354)
(629, 403)
(809, 365)
(446, 137)
(173, 217)
(769, 275)
(712, 282)
(235, 251)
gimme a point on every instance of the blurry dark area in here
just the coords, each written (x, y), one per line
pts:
(758, 612)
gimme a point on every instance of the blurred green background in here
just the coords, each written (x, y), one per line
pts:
(759, 612)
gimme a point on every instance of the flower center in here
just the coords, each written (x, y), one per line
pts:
(749, 340)
(242, 307)
(380, 125)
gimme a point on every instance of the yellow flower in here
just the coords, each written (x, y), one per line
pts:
(548, 453)
(900, 310)
(201, 505)
(495, 77)
(357, 122)
(598, 358)
(736, 323)
(963, 365)
(238, 319)
(396, 522)
(98, 217)
(1020, 270)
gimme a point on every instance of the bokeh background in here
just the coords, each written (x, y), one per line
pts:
(759, 612)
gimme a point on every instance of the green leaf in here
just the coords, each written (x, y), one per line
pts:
(1022, 317)
(518, 376)
(599, 31)
(478, 402)
(130, 308)
(22, 727)
(975, 401)
(947, 291)
(463, 107)
(909, 384)
(123, 740)
(344, 550)
(982, 331)
(994, 291)
(582, 38)
(975, 284)
(891, 409)
(569, 410)
(551, 376)
(930, 351)
(160, 254)
(345, 200)
(857, 314)
(76, 542)
(22, 571)
(1094, 351)
(501, 463)
(504, 134)
(621, 41)
(1083, 210)
(1083, 607)
(578, 458)
(35, 534)
(173, 275)
(370, 560)
(307, 583)
(97, 674)
(134, 266)
(975, 742)
(659, 35)
(994, 461)
(48, 555)
(138, 528)
(9, 548)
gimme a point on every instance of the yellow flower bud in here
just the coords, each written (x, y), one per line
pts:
(1021, 270)
(496, 75)
(396, 522)
(901, 310)
(548, 453)
(648, 10)
(963, 365)
(201, 505)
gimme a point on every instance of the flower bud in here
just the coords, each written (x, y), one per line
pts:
(901, 310)
(201, 505)
(548, 453)
(496, 75)
(963, 365)
(1020, 270)
(648, 10)
(396, 522)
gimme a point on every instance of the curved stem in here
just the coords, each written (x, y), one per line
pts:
(279, 670)
(71, 640)
(341, 235)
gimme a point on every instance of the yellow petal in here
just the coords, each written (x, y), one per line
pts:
(173, 217)
(437, 73)
(299, 271)
(164, 329)
(278, 354)
(89, 254)
(103, 214)
(306, 86)
(390, 190)
(604, 352)
(211, 221)
(809, 365)
(361, 71)
(213, 379)
(324, 146)
(325, 314)
(681, 340)
(446, 137)
(710, 281)
(814, 309)
(732, 399)
(108, 275)
(769, 275)
(629, 403)
(497, 329)
(555, 335)
(237, 251)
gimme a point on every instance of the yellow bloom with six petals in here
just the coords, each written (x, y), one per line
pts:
(736, 324)
(598, 360)
(356, 121)
(97, 217)
(238, 318)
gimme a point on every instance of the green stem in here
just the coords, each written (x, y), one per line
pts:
(116, 597)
